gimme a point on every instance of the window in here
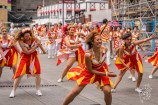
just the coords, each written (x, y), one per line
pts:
(19, 9)
(3, 7)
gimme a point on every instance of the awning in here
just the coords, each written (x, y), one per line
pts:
(77, 10)
(92, 9)
(69, 10)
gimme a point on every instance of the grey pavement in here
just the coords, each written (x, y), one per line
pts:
(54, 93)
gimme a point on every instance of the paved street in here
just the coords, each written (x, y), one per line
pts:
(54, 93)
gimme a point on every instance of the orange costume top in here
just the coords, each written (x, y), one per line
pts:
(105, 33)
(117, 41)
(10, 54)
(135, 36)
(82, 76)
(154, 58)
(64, 53)
(29, 63)
(131, 57)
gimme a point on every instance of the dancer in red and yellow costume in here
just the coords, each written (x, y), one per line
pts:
(116, 38)
(129, 58)
(154, 62)
(8, 51)
(68, 52)
(29, 63)
(135, 36)
(51, 47)
(93, 70)
(106, 38)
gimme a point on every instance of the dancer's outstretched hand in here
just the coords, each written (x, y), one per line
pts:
(153, 36)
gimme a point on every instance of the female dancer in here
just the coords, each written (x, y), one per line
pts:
(94, 69)
(51, 47)
(117, 40)
(83, 36)
(154, 61)
(8, 51)
(29, 62)
(69, 47)
(129, 58)
(135, 36)
(105, 34)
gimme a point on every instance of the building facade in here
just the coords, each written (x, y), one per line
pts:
(69, 11)
(83, 11)
(25, 10)
(3, 11)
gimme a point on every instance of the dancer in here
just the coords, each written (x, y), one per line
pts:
(105, 28)
(129, 58)
(83, 36)
(94, 67)
(8, 51)
(29, 62)
(117, 42)
(135, 36)
(69, 47)
(154, 61)
(51, 47)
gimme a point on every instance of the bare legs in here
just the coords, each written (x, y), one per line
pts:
(38, 81)
(77, 89)
(140, 75)
(153, 71)
(132, 72)
(119, 78)
(17, 81)
(69, 64)
(132, 75)
(15, 85)
(107, 94)
(14, 69)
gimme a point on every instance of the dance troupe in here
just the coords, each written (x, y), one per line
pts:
(90, 47)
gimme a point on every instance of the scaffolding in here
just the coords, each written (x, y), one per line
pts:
(141, 13)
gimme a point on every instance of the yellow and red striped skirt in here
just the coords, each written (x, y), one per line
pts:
(29, 64)
(11, 56)
(134, 62)
(153, 59)
(82, 76)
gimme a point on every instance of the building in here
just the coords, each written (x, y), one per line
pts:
(3, 11)
(25, 10)
(83, 11)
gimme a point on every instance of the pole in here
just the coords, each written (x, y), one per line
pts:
(63, 13)
(74, 11)
(43, 3)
